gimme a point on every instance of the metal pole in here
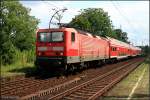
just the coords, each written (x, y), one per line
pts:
(55, 14)
(52, 18)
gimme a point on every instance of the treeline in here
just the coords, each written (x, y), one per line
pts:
(145, 50)
(97, 21)
(17, 36)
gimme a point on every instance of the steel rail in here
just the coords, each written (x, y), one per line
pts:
(67, 92)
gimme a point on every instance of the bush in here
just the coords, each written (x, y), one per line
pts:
(8, 53)
(25, 56)
(17, 36)
(16, 56)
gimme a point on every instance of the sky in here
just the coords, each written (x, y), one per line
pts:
(131, 16)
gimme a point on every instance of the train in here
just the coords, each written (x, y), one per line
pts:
(69, 49)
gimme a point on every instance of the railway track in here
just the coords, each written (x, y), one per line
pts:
(33, 89)
(29, 85)
(94, 88)
(8, 87)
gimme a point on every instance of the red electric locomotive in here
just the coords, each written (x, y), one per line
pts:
(69, 48)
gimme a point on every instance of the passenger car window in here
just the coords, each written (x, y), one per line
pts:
(113, 48)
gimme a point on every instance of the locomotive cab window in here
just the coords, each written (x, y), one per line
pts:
(57, 36)
(42, 37)
(72, 36)
(51, 37)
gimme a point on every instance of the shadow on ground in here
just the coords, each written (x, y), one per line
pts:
(141, 95)
(134, 97)
(41, 74)
(44, 74)
(27, 70)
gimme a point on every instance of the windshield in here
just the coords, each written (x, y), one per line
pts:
(57, 36)
(42, 37)
(51, 37)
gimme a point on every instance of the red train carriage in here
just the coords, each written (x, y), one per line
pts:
(135, 51)
(122, 50)
(118, 49)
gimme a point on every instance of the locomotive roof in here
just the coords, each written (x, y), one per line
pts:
(72, 29)
(90, 34)
(52, 29)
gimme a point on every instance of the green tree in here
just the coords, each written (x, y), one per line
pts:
(146, 50)
(120, 35)
(96, 21)
(124, 37)
(17, 29)
(93, 20)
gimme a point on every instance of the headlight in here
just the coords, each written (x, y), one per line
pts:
(61, 53)
(58, 48)
(42, 48)
(39, 53)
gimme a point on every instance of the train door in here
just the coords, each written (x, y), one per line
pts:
(72, 47)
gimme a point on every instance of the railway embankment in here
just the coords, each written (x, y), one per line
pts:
(15, 71)
(134, 86)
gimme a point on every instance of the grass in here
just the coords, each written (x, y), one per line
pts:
(124, 88)
(17, 69)
(147, 60)
(20, 65)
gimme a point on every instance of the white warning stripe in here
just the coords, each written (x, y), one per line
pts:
(135, 86)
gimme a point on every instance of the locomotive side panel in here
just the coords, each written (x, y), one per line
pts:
(92, 48)
(72, 46)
